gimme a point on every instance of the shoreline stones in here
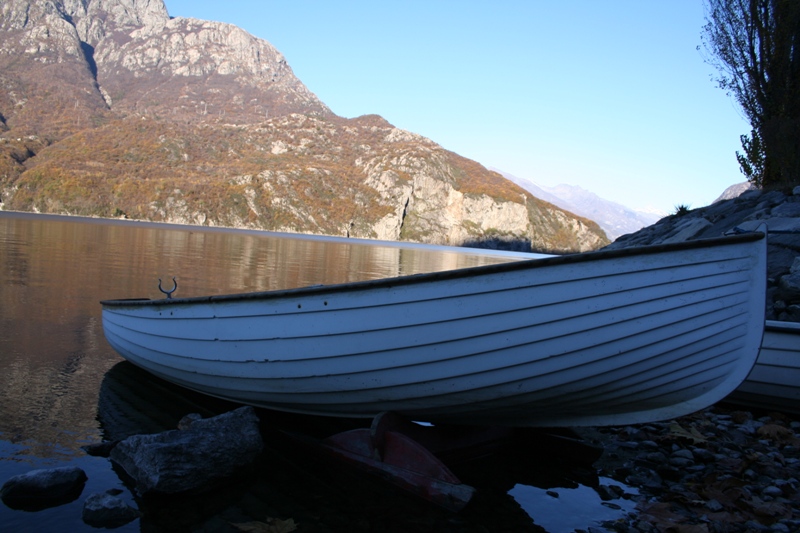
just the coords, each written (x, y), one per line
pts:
(716, 471)
(196, 458)
(40, 489)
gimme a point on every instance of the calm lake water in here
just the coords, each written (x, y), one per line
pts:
(62, 386)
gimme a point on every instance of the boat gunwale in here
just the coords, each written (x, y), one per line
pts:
(428, 277)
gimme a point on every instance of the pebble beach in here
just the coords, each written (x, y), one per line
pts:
(721, 470)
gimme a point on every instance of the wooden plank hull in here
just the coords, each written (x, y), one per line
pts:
(774, 382)
(603, 338)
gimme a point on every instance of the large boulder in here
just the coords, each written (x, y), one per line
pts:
(40, 489)
(193, 459)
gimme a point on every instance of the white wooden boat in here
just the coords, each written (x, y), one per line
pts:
(602, 338)
(774, 382)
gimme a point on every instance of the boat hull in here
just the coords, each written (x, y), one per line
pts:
(603, 338)
(774, 382)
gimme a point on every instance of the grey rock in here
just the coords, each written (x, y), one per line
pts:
(779, 260)
(656, 457)
(703, 455)
(192, 460)
(787, 209)
(790, 287)
(790, 283)
(107, 511)
(683, 453)
(791, 314)
(40, 489)
(714, 506)
(751, 194)
(750, 426)
(645, 478)
(752, 525)
(686, 231)
(631, 431)
(99, 449)
(680, 462)
(786, 525)
(607, 492)
(779, 225)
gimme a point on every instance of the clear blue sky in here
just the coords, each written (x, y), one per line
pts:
(609, 95)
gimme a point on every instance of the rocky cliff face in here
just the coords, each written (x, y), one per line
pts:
(781, 214)
(112, 108)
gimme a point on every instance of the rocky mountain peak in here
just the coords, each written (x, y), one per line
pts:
(186, 48)
(144, 62)
(91, 19)
(112, 108)
(94, 19)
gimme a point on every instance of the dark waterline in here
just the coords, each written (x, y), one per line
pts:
(62, 386)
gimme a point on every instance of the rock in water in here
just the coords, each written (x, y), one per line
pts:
(191, 460)
(108, 511)
(40, 489)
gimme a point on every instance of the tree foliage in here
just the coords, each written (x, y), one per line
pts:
(755, 46)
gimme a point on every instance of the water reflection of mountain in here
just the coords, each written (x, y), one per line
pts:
(49, 382)
(134, 402)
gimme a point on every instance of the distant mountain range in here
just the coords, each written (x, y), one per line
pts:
(615, 219)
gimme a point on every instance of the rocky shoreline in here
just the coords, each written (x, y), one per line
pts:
(720, 470)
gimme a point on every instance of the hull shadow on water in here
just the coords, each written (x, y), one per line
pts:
(318, 493)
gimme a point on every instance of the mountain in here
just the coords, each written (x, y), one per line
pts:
(615, 219)
(112, 108)
(734, 191)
